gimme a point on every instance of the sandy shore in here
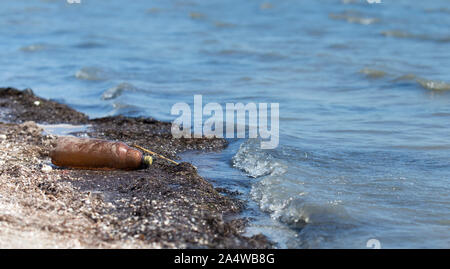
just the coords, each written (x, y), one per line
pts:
(164, 206)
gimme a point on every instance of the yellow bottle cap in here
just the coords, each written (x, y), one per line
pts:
(148, 160)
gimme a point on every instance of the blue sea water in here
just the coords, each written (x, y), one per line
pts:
(363, 92)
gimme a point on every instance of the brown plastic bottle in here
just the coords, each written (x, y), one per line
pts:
(87, 153)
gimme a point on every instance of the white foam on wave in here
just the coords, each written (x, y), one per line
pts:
(282, 195)
(256, 162)
(285, 196)
(434, 85)
(275, 196)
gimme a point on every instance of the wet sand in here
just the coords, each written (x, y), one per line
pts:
(163, 206)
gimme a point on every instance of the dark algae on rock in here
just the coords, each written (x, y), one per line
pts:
(162, 206)
(21, 106)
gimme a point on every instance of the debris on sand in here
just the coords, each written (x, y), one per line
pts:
(89, 153)
(162, 206)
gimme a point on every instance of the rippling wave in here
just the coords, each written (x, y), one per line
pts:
(405, 34)
(91, 73)
(116, 91)
(373, 73)
(256, 162)
(353, 17)
(363, 92)
(432, 85)
(34, 47)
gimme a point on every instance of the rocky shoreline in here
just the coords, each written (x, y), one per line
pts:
(163, 206)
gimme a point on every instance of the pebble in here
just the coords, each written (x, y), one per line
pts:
(2, 137)
(46, 168)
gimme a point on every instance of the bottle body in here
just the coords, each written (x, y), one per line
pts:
(87, 153)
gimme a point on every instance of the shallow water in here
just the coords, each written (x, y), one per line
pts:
(363, 92)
